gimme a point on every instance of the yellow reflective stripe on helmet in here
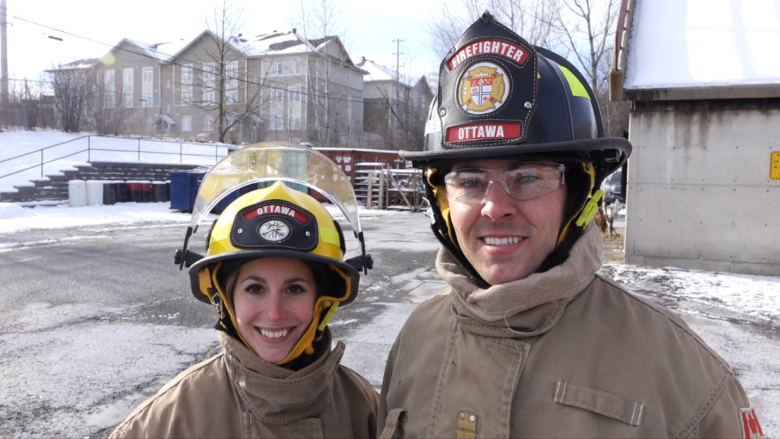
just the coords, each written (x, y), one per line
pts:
(577, 89)
(330, 236)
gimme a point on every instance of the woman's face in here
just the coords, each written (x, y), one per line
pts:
(274, 302)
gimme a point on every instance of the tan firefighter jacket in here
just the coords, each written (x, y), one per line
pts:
(238, 395)
(559, 354)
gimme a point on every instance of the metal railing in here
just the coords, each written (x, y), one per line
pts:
(89, 149)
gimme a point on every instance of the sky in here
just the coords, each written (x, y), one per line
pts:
(89, 28)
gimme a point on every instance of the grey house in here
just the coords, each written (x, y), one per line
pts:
(394, 109)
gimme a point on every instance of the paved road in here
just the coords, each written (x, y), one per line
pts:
(95, 320)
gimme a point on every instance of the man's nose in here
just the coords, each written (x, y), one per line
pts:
(498, 203)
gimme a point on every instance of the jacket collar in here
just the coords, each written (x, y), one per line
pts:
(279, 395)
(531, 305)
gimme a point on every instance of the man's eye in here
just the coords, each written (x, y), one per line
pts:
(525, 178)
(471, 182)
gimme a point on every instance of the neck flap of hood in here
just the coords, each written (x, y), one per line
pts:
(276, 394)
(499, 302)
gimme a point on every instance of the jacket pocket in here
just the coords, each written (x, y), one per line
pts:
(392, 429)
(603, 403)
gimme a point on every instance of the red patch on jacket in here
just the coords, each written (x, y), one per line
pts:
(751, 428)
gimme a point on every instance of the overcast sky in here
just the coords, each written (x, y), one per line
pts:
(97, 25)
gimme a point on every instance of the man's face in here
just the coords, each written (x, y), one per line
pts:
(504, 238)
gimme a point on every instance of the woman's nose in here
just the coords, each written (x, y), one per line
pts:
(275, 309)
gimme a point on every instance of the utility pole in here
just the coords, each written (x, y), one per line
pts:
(3, 59)
(397, 54)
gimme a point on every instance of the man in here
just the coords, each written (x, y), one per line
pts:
(528, 341)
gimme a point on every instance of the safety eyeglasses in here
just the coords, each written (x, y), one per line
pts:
(523, 181)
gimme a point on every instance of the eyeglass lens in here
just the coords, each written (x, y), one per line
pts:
(523, 182)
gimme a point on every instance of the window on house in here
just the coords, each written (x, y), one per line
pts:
(277, 68)
(186, 74)
(147, 99)
(232, 70)
(297, 67)
(186, 94)
(208, 95)
(127, 87)
(147, 75)
(277, 95)
(208, 73)
(208, 83)
(109, 86)
(231, 86)
(186, 123)
(295, 93)
(208, 123)
(231, 96)
(276, 122)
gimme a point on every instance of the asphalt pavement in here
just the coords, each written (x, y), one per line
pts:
(95, 320)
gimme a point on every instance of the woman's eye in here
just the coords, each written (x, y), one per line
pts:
(254, 288)
(296, 289)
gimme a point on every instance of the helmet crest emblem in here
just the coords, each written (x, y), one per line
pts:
(274, 230)
(483, 88)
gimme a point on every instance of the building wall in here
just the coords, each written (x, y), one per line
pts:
(699, 189)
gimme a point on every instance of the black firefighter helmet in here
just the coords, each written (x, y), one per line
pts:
(501, 97)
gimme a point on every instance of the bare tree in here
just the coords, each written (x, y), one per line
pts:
(534, 20)
(221, 77)
(589, 29)
(71, 89)
(327, 66)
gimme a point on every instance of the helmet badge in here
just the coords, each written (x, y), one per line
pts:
(483, 88)
(274, 230)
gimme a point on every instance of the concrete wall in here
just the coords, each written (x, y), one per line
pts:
(699, 193)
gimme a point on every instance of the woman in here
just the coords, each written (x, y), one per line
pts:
(274, 271)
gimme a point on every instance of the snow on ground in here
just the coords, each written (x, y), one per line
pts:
(66, 150)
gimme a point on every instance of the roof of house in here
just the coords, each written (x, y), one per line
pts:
(697, 49)
(377, 72)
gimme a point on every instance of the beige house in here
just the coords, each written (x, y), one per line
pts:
(393, 108)
(267, 87)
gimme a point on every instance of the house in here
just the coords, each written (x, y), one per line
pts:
(278, 86)
(393, 108)
(704, 176)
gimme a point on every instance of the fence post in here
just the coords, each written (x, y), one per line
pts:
(41, 163)
(89, 149)
(181, 150)
(139, 149)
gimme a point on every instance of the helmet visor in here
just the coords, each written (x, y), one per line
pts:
(269, 162)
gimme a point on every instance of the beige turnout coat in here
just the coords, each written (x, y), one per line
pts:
(238, 395)
(583, 358)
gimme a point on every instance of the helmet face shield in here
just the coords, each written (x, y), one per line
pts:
(269, 162)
